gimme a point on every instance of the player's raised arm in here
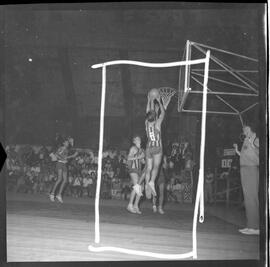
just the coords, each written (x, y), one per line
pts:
(150, 103)
(162, 111)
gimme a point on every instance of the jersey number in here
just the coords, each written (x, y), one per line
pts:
(152, 134)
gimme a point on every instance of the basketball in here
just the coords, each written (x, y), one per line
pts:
(154, 93)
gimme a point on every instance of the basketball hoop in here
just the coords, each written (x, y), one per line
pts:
(166, 94)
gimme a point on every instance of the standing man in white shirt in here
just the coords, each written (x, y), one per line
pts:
(249, 168)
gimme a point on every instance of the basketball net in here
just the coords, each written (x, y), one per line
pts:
(166, 93)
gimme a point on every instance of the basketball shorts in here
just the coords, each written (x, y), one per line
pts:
(134, 170)
(138, 171)
(61, 166)
(151, 151)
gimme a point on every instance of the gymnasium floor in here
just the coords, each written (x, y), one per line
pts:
(39, 230)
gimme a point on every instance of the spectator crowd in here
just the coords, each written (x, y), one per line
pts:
(31, 169)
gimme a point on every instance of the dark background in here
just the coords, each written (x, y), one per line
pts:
(59, 92)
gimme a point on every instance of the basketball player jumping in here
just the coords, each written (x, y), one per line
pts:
(61, 168)
(154, 150)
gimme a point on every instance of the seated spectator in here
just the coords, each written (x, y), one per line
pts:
(10, 162)
(46, 179)
(115, 162)
(12, 177)
(43, 154)
(169, 190)
(93, 176)
(126, 190)
(177, 191)
(96, 160)
(110, 172)
(116, 188)
(188, 156)
(34, 177)
(208, 186)
(21, 184)
(84, 169)
(29, 182)
(123, 167)
(69, 186)
(31, 158)
(92, 169)
(105, 187)
(40, 188)
(77, 189)
(107, 163)
(117, 173)
(87, 184)
(175, 156)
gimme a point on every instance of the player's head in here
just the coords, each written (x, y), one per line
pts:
(66, 143)
(249, 129)
(151, 116)
(70, 141)
(136, 140)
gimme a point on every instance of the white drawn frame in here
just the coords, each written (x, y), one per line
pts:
(199, 202)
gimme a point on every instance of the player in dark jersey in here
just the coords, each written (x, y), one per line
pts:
(154, 150)
(61, 168)
(135, 157)
(161, 184)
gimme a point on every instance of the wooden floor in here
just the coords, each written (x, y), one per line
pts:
(38, 230)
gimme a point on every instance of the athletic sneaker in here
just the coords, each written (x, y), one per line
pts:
(131, 209)
(154, 209)
(138, 189)
(152, 187)
(59, 198)
(160, 210)
(148, 191)
(51, 197)
(250, 231)
(137, 210)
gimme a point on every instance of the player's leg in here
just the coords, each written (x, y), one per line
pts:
(136, 204)
(157, 158)
(142, 176)
(149, 167)
(59, 179)
(161, 198)
(59, 195)
(134, 179)
(154, 202)
(148, 172)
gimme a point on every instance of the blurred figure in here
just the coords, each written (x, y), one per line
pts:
(61, 167)
(208, 186)
(249, 169)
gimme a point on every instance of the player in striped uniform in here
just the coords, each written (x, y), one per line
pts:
(135, 158)
(154, 149)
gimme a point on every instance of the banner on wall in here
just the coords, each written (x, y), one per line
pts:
(226, 161)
